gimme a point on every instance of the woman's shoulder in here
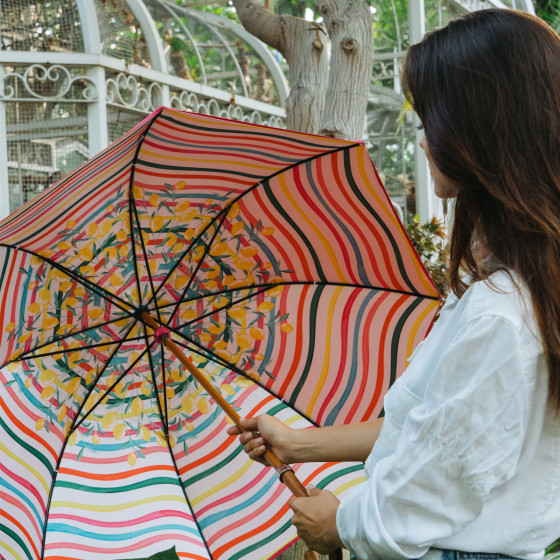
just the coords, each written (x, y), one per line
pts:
(503, 294)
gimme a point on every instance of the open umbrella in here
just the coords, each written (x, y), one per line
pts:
(272, 259)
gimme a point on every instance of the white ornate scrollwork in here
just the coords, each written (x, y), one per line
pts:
(126, 91)
(190, 102)
(47, 83)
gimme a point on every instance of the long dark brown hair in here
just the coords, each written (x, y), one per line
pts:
(487, 90)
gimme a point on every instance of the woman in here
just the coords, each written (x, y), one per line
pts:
(468, 456)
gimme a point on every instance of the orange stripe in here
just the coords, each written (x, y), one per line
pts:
(23, 530)
(33, 435)
(297, 351)
(381, 359)
(115, 476)
(260, 529)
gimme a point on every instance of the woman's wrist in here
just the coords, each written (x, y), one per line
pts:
(300, 448)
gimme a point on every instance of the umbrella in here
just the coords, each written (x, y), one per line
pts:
(273, 260)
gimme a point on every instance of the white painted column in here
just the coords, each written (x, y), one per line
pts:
(98, 135)
(427, 203)
(4, 182)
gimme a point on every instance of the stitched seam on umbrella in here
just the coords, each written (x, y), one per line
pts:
(132, 206)
(108, 296)
(205, 353)
(75, 425)
(223, 214)
(31, 356)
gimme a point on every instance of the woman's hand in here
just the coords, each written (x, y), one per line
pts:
(333, 443)
(263, 431)
(315, 520)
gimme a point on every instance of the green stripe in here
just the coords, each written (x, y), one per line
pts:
(16, 538)
(5, 267)
(214, 170)
(301, 235)
(397, 336)
(339, 474)
(267, 133)
(245, 552)
(312, 333)
(28, 447)
(118, 490)
(217, 467)
(380, 222)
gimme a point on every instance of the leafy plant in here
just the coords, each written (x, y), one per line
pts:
(430, 241)
(553, 551)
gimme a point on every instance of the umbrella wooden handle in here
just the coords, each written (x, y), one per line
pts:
(285, 473)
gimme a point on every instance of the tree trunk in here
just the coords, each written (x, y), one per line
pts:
(305, 47)
(330, 102)
(350, 27)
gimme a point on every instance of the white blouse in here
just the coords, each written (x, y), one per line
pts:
(469, 454)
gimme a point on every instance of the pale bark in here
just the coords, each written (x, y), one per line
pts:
(349, 24)
(305, 47)
(332, 102)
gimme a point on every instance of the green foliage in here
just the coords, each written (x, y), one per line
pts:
(553, 551)
(430, 241)
(549, 10)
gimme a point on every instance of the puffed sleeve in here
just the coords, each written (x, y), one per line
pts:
(455, 447)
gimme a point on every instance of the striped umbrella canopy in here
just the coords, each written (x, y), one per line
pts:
(277, 263)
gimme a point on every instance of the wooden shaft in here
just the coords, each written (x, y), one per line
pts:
(286, 474)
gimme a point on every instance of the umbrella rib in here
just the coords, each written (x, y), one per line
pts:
(223, 213)
(205, 353)
(99, 290)
(266, 287)
(183, 489)
(162, 416)
(64, 444)
(143, 247)
(69, 335)
(164, 379)
(155, 115)
(30, 356)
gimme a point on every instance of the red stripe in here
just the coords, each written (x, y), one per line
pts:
(295, 362)
(377, 375)
(24, 531)
(380, 364)
(9, 499)
(41, 443)
(344, 338)
(327, 220)
(25, 484)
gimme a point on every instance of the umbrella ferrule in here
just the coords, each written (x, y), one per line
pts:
(161, 333)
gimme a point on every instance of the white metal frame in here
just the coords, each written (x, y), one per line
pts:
(153, 86)
(157, 85)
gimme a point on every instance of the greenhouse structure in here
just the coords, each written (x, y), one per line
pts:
(77, 74)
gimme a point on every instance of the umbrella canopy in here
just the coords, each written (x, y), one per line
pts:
(277, 263)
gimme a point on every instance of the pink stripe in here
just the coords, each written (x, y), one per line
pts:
(17, 504)
(27, 485)
(104, 549)
(127, 523)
